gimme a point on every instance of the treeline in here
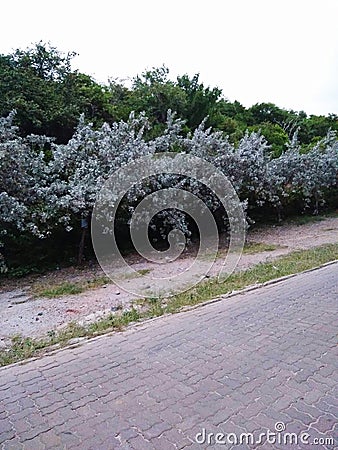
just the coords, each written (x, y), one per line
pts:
(53, 164)
(46, 194)
(49, 96)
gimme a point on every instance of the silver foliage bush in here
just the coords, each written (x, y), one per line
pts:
(41, 190)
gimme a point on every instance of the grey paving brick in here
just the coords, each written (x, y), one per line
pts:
(13, 444)
(139, 443)
(302, 416)
(325, 423)
(7, 435)
(241, 364)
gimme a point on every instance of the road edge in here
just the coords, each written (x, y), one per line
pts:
(142, 322)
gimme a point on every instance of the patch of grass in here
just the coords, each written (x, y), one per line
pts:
(72, 330)
(154, 307)
(306, 219)
(144, 271)
(25, 347)
(286, 265)
(250, 247)
(58, 290)
(66, 288)
(331, 214)
(97, 282)
(22, 348)
(133, 275)
(22, 271)
(258, 247)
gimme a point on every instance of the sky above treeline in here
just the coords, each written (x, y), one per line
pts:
(279, 51)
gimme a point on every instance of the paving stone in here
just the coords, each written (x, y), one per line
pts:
(7, 435)
(306, 419)
(157, 430)
(13, 444)
(50, 439)
(139, 443)
(162, 444)
(325, 423)
(242, 364)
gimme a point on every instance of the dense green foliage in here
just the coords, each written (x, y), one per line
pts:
(49, 96)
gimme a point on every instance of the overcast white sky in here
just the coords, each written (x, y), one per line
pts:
(283, 51)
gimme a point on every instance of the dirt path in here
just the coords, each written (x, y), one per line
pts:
(22, 314)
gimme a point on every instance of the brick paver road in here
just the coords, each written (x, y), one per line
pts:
(236, 366)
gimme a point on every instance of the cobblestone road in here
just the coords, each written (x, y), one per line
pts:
(236, 366)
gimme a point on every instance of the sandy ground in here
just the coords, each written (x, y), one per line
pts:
(23, 314)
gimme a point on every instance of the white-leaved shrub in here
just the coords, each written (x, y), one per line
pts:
(24, 183)
(44, 186)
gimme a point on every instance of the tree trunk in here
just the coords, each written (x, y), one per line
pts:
(82, 246)
(316, 211)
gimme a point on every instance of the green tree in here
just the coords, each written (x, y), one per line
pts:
(201, 102)
(154, 93)
(48, 96)
(275, 135)
(266, 112)
(314, 128)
